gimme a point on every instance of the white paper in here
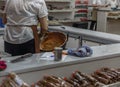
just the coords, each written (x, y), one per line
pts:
(50, 56)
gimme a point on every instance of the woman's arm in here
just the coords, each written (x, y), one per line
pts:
(44, 28)
(43, 24)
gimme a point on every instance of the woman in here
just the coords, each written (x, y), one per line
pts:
(21, 18)
(112, 3)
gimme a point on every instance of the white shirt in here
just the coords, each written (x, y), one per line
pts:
(22, 12)
(98, 2)
(112, 3)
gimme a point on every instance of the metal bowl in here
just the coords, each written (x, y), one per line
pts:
(52, 40)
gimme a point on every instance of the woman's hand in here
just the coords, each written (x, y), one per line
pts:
(42, 35)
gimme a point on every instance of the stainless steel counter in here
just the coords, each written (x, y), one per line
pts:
(99, 37)
(32, 69)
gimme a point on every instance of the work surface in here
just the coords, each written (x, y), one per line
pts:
(100, 37)
(35, 63)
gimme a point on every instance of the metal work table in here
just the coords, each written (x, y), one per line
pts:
(89, 35)
(32, 69)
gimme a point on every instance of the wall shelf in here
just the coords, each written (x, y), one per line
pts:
(63, 10)
(64, 1)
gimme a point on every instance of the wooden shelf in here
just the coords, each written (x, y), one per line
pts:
(65, 10)
(62, 21)
(113, 17)
(58, 1)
